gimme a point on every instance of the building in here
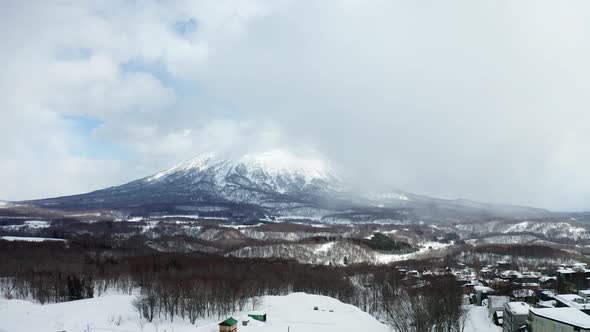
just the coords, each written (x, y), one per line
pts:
(548, 282)
(557, 319)
(577, 276)
(481, 293)
(496, 304)
(585, 293)
(511, 275)
(572, 301)
(503, 265)
(544, 295)
(523, 295)
(515, 316)
(228, 325)
(487, 273)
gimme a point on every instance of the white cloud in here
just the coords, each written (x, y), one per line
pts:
(480, 100)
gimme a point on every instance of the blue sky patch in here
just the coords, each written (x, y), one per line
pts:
(185, 27)
(87, 146)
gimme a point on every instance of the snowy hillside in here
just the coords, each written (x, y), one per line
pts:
(562, 231)
(336, 253)
(116, 313)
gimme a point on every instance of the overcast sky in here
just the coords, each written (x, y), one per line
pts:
(487, 100)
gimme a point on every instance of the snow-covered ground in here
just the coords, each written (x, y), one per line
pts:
(325, 247)
(240, 226)
(478, 320)
(425, 249)
(115, 313)
(28, 225)
(29, 238)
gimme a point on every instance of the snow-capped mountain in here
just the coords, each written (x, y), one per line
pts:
(271, 172)
(260, 183)
(275, 183)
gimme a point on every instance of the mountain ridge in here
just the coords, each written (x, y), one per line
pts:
(269, 184)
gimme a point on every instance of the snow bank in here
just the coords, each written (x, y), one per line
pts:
(115, 313)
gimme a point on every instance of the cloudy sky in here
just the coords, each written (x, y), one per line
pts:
(488, 100)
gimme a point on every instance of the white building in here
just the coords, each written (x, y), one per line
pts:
(558, 319)
(515, 316)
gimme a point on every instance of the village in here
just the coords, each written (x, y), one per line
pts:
(530, 300)
(540, 300)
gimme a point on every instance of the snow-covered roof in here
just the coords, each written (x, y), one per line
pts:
(523, 293)
(568, 270)
(568, 316)
(511, 273)
(257, 313)
(480, 288)
(565, 271)
(573, 301)
(517, 308)
(546, 304)
(546, 278)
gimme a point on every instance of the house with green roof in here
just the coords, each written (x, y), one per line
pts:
(228, 325)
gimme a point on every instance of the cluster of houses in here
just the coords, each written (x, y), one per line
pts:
(531, 300)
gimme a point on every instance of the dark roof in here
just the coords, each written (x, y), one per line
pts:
(229, 322)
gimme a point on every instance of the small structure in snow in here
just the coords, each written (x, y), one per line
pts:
(258, 315)
(228, 325)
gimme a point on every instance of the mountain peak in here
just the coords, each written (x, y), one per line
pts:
(273, 162)
(282, 161)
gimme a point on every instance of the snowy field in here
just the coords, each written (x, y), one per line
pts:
(115, 313)
(425, 249)
(29, 238)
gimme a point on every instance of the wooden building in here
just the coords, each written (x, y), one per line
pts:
(228, 325)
